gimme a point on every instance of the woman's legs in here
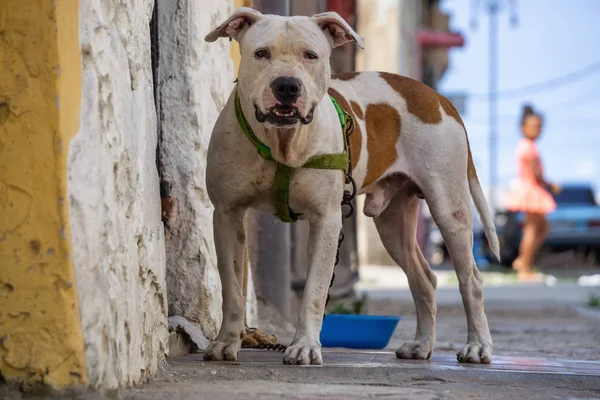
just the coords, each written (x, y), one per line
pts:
(535, 230)
(542, 233)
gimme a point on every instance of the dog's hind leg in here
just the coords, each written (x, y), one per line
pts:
(450, 207)
(230, 236)
(397, 226)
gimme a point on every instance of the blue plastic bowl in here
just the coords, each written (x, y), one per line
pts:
(357, 331)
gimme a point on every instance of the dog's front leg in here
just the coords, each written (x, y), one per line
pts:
(323, 239)
(230, 237)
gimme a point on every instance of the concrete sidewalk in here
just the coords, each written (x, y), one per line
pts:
(351, 374)
(546, 346)
(522, 295)
(389, 282)
(535, 329)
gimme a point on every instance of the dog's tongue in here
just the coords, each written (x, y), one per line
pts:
(284, 109)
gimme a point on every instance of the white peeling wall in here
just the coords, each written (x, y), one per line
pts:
(195, 79)
(117, 233)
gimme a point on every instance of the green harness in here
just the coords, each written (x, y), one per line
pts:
(284, 173)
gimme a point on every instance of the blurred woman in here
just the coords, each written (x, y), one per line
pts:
(531, 195)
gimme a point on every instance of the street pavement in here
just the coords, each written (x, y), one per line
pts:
(546, 346)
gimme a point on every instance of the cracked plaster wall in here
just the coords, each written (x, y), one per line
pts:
(117, 234)
(196, 79)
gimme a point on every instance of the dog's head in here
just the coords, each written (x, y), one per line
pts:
(284, 68)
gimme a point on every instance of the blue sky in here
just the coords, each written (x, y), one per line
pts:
(553, 38)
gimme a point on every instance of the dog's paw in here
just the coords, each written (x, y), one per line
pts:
(415, 351)
(303, 354)
(475, 353)
(219, 351)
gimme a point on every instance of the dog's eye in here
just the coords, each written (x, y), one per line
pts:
(261, 53)
(309, 55)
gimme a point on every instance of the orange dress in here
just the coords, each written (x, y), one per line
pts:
(528, 195)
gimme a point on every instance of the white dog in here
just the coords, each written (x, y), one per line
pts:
(408, 142)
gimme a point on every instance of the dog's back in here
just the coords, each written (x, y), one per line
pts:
(403, 127)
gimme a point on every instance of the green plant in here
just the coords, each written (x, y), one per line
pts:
(594, 301)
(356, 307)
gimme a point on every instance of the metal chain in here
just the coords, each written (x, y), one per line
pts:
(271, 346)
(347, 199)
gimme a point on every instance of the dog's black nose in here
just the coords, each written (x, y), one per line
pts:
(286, 89)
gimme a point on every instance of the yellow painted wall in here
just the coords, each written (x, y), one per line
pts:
(41, 339)
(235, 47)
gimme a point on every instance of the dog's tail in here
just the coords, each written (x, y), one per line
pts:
(482, 207)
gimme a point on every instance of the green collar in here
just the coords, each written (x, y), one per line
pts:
(284, 173)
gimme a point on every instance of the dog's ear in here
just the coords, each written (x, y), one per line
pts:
(340, 32)
(235, 25)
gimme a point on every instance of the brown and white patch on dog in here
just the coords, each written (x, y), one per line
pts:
(345, 76)
(449, 109)
(421, 100)
(383, 130)
(357, 110)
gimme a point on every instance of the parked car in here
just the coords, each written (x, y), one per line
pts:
(575, 224)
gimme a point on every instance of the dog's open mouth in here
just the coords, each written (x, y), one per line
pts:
(282, 115)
